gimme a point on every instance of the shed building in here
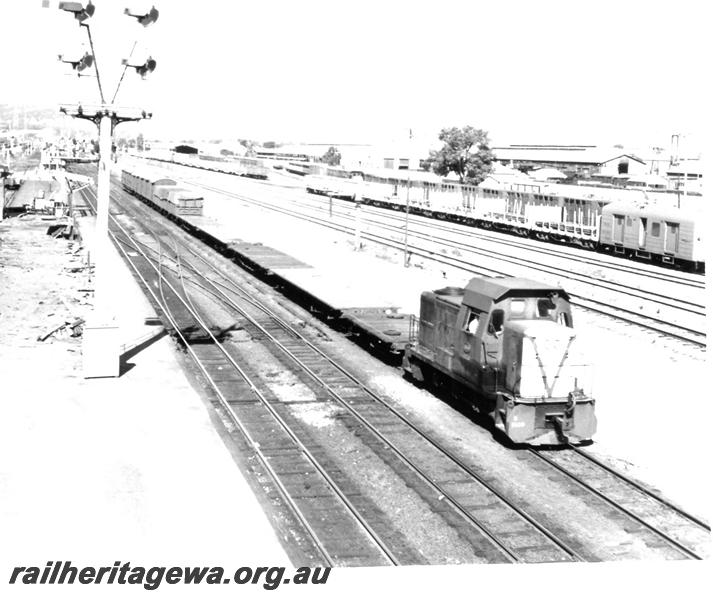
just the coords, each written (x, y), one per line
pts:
(575, 161)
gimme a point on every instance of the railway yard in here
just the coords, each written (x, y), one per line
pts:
(288, 313)
(392, 299)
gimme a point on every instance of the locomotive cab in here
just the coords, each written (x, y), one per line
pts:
(510, 343)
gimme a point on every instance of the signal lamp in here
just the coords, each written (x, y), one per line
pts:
(80, 12)
(79, 65)
(144, 19)
(142, 69)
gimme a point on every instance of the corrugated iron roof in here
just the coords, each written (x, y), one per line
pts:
(547, 173)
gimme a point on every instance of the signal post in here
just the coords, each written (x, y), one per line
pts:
(101, 344)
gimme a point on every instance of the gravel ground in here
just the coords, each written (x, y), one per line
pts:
(408, 512)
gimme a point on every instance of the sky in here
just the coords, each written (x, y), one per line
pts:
(602, 72)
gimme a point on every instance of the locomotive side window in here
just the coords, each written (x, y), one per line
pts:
(545, 308)
(517, 307)
(655, 229)
(496, 322)
(471, 322)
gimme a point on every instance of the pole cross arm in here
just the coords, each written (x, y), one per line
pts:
(96, 112)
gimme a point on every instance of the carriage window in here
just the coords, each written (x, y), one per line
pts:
(655, 229)
(517, 307)
(564, 319)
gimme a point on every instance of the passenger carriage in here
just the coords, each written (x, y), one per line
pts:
(655, 233)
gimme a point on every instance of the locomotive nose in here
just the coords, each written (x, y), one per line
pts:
(550, 379)
(545, 360)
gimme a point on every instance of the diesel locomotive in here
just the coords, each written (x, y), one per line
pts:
(507, 347)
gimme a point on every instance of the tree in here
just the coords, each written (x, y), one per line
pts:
(140, 142)
(466, 152)
(332, 157)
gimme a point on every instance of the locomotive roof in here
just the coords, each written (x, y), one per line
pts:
(481, 292)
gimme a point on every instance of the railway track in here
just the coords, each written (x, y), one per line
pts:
(632, 502)
(630, 316)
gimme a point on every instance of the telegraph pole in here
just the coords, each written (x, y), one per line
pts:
(408, 199)
(408, 194)
(358, 194)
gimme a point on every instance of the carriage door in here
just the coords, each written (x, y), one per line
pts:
(671, 238)
(618, 233)
(643, 223)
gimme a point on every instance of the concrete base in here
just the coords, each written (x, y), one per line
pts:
(101, 350)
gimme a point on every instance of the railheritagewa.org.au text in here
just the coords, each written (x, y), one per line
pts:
(124, 573)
